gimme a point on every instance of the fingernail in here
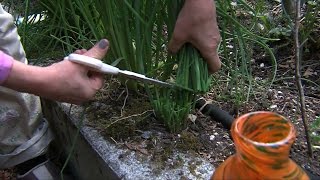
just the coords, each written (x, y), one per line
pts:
(103, 44)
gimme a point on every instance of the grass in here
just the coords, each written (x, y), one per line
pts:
(238, 40)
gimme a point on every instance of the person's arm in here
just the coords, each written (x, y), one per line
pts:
(64, 81)
(197, 24)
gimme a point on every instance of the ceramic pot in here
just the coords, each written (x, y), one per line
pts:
(263, 141)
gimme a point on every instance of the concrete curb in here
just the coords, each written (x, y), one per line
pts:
(94, 157)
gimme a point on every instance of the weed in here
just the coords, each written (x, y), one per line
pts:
(315, 132)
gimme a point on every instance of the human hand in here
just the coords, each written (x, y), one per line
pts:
(197, 24)
(75, 83)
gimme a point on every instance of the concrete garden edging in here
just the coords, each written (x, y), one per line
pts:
(96, 158)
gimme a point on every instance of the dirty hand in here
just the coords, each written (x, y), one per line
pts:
(197, 24)
(75, 83)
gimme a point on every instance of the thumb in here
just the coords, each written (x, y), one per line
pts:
(175, 43)
(99, 50)
(213, 61)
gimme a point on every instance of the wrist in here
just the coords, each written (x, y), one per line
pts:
(6, 63)
(199, 6)
(199, 1)
(27, 78)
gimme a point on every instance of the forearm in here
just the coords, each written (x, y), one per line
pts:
(199, 3)
(63, 81)
(203, 6)
(26, 78)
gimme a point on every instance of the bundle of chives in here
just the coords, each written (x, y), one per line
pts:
(174, 105)
(193, 70)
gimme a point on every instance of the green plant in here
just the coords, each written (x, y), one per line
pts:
(238, 40)
(310, 24)
(30, 20)
(310, 13)
(315, 132)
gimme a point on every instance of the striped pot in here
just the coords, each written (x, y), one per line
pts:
(263, 141)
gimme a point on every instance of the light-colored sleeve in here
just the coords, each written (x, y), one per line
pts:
(9, 39)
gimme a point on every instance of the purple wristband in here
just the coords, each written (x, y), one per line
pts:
(6, 62)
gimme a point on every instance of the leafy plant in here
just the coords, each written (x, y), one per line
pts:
(238, 40)
(29, 18)
(315, 131)
(310, 12)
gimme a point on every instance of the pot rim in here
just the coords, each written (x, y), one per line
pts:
(291, 134)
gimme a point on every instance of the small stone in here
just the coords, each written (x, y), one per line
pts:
(314, 133)
(212, 137)
(230, 46)
(146, 134)
(103, 106)
(202, 171)
(96, 105)
(192, 118)
(261, 26)
(233, 3)
(273, 106)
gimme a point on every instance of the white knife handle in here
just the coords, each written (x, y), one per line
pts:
(97, 64)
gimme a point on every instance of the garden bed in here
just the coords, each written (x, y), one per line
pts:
(96, 157)
(124, 120)
(122, 131)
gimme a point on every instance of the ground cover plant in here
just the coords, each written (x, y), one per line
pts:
(257, 74)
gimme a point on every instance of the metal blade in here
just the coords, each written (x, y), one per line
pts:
(143, 78)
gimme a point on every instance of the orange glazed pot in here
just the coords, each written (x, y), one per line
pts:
(263, 141)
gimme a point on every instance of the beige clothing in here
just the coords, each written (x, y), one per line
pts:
(24, 134)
